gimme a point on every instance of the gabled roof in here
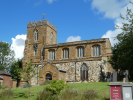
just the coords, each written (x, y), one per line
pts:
(4, 73)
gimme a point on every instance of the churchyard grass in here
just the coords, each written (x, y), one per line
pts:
(102, 88)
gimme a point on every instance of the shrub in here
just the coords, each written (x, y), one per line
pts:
(70, 95)
(46, 95)
(45, 83)
(55, 86)
(26, 94)
(0, 85)
(7, 94)
(22, 94)
(90, 94)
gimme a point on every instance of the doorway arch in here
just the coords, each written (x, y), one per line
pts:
(84, 72)
(48, 76)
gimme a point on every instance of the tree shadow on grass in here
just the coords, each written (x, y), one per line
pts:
(19, 95)
(22, 95)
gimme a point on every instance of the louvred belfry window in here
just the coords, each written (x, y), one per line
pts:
(36, 34)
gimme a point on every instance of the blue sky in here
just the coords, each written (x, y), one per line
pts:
(76, 20)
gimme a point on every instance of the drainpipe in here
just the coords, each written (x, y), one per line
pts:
(75, 70)
(37, 74)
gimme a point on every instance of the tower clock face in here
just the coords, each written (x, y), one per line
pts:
(35, 46)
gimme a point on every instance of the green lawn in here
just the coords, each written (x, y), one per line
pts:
(102, 88)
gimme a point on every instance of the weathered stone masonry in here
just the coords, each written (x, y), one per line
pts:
(60, 68)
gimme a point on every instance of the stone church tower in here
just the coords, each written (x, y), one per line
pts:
(72, 61)
(38, 35)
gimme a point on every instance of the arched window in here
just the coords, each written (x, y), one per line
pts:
(36, 34)
(66, 53)
(48, 77)
(35, 52)
(51, 54)
(96, 50)
(80, 52)
(84, 72)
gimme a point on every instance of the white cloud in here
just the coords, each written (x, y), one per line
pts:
(72, 38)
(111, 34)
(18, 44)
(38, 3)
(112, 9)
(51, 1)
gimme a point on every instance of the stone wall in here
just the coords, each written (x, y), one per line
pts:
(94, 73)
(62, 76)
(46, 43)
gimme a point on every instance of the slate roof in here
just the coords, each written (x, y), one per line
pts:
(1, 78)
(62, 70)
(4, 73)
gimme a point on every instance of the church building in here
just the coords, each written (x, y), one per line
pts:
(71, 61)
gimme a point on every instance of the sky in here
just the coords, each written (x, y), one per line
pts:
(76, 20)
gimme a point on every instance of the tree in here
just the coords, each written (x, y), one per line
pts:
(123, 50)
(15, 70)
(28, 72)
(6, 55)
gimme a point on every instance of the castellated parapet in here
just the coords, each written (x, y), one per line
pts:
(41, 23)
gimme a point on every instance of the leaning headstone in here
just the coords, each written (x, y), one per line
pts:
(111, 77)
(114, 76)
(108, 76)
(126, 75)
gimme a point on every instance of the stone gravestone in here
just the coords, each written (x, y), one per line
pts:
(111, 77)
(114, 76)
(108, 74)
(126, 75)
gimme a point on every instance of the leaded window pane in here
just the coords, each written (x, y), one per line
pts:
(96, 50)
(66, 53)
(99, 50)
(52, 55)
(36, 36)
(35, 52)
(84, 72)
(80, 52)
